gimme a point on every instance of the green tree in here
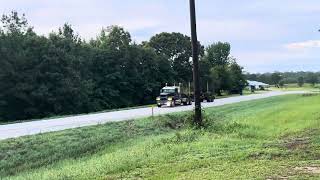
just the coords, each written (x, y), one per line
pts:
(63, 88)
(61, 74)
(237, 78)
(276, 78)
(217, 59)
(16, 64)
(281, 83)
(177, 48)
(312, 79)
(205, 75)
(15, 24)
(114, 37)
(221, 79)
(300, 81)
(218, 54)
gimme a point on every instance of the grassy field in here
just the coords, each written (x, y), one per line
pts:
(271, 138)
(245, 92)
(295, 87)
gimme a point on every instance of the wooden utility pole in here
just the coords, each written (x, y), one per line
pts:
(189, 89)
(195, 59)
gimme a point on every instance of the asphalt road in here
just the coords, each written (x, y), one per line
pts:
(58, 124)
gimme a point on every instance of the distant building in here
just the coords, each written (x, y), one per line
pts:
(253, 85)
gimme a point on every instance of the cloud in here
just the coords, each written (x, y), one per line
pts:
(280, 59)
(237, 29)
(258, 30)
(303, 45)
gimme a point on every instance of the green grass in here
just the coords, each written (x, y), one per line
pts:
(295, 87)
(269, 138)
(245, 93)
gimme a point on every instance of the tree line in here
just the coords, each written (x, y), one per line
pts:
(282, 78)
(61, 73)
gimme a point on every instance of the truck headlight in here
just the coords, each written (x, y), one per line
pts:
(158, 99)
(169, 98)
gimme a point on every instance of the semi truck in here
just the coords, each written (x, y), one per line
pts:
(171, 96)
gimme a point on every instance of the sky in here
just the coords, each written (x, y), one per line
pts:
(265, 35)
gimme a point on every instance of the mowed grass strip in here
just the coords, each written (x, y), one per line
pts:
(271, 138)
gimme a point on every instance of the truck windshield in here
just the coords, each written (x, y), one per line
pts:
(167, 91)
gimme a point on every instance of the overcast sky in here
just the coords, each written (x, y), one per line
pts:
(265, 35)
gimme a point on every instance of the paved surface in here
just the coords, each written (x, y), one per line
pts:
(50, 125)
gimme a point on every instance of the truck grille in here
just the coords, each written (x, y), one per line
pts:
(163, 98)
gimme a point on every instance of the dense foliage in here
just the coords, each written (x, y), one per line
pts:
(220, 70)
(61, 73)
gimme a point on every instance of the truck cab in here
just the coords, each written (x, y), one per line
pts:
(172, 96)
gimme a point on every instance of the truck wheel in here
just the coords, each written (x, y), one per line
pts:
(159, 106)
(173, 103)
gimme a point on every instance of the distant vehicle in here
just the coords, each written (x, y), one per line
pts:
(172, 96)
(207, 96)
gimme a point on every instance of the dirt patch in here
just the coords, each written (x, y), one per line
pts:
(267, 155)
(297, 143)
(296, 172)
(308, 169)
(303, 146)
(291, 144)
